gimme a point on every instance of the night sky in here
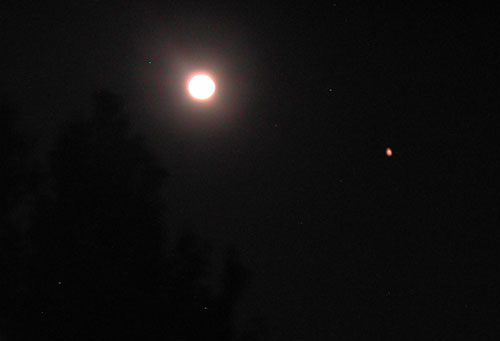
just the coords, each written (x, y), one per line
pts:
(288, 163)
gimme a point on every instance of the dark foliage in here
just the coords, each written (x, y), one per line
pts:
(18, 182)
(96, 269)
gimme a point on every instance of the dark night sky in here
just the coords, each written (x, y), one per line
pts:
(291, 173)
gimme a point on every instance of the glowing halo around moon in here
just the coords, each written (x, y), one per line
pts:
(201, 87)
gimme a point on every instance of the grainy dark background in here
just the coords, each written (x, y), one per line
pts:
(288, 164)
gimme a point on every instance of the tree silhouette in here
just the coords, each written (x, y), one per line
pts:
(195, 312)
(97, 270)
(18, 182)
(98, 235)
(186, 297)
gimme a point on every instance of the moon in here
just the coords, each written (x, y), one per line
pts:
(201, 87)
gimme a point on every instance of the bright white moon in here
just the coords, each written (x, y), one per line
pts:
(201, 87)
